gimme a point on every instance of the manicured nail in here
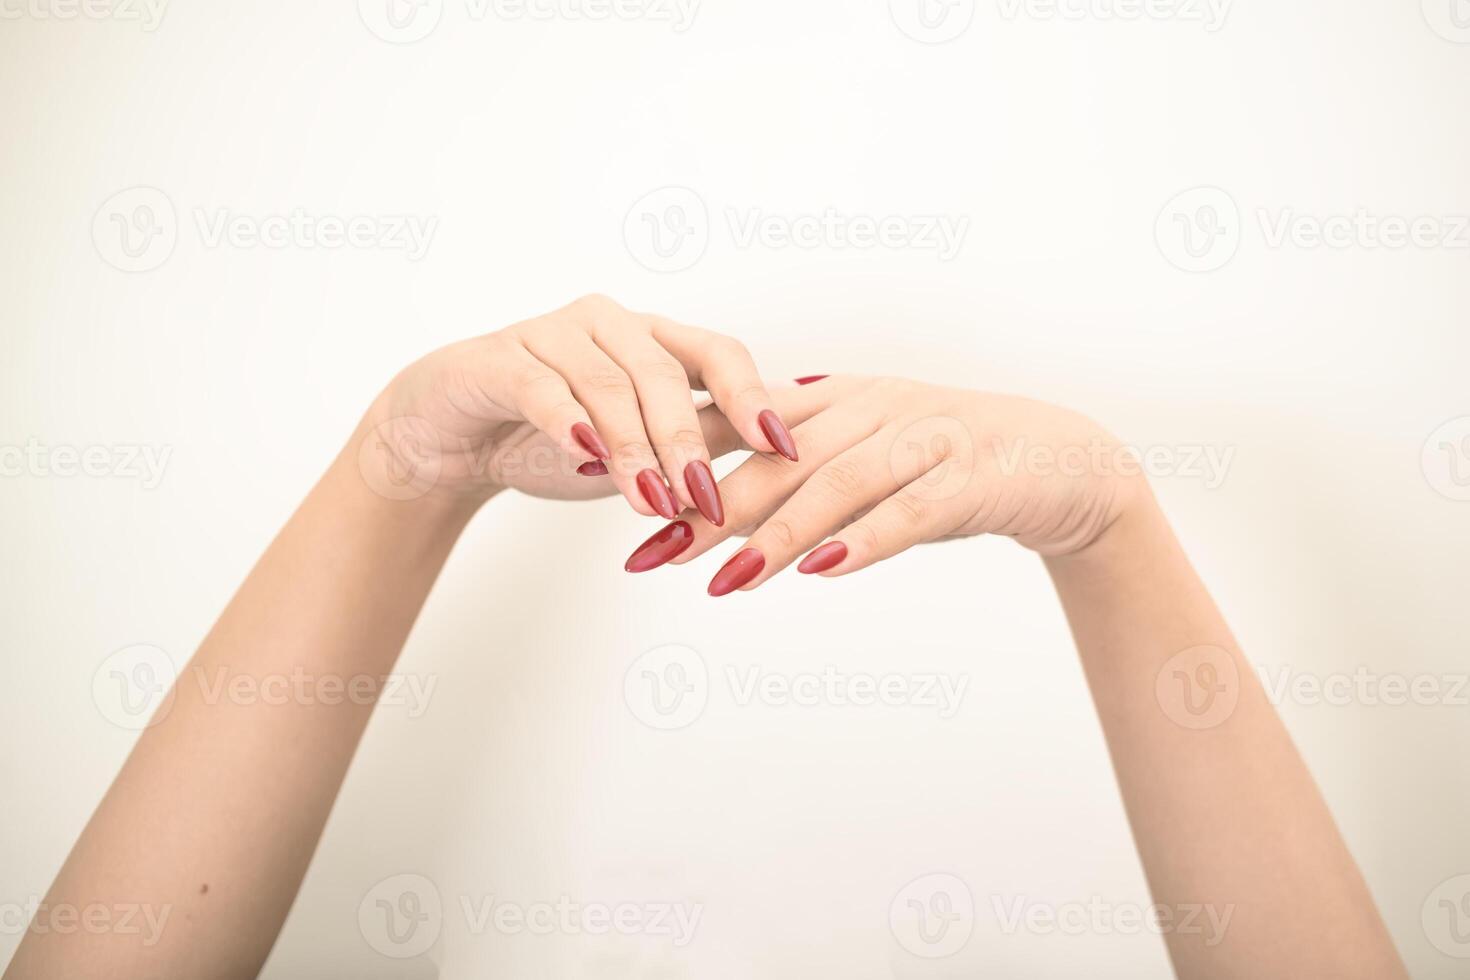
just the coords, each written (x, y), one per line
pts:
(652, 486)
(701, 483)
(737, 571)
(662, 548)
(595, 468)
(777, 432)
(590, 440)
(829, 555)
(811, 379)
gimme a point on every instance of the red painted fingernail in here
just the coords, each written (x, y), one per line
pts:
(652, 486)
(811, 379)
(829, 555)
(777, 432)
(737, 571)
(595, 468)
(701, 483)
(590, 440)
(662, 548)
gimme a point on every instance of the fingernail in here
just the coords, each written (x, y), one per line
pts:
(777, 432)
(595, 468)
(706, 495)
(652, 486)
(590, 440)
(737, 571)
(662, 548)
(811, 379)
(829, 555)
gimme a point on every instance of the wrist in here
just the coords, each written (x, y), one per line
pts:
(399, 465)
(1127, 542)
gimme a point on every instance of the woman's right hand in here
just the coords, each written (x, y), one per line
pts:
(583, 402)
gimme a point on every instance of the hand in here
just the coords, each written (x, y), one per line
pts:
(578, 403)
(886, 464)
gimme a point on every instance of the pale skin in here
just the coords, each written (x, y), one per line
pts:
(215, 816)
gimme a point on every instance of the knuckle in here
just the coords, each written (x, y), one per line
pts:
(663, 369)
(909, 509)
(685, 441)
(609, 381)
(595, 303)
(862, 537)
(841, 479)
(630, 447)
(780, 532)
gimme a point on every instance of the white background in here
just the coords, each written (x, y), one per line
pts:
(1324, 370)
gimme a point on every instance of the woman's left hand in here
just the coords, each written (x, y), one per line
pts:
(886, 464)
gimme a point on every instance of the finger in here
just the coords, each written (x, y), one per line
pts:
(541, 396)
(758, 486)
(608, 395)
(912, 515)
(669, 416)
(854, 482)
(722, 366)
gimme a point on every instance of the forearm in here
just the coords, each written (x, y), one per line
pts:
(1224, 813)
(216, 813)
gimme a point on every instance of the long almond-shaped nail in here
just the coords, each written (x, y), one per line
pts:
(589, 440)
(777, 432)
(652, 486)
(737, 571)
(829, 555)
(595, 468)
(812, 379)
(706, 494)
(662, 548)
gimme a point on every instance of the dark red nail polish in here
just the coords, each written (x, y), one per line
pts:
(595, 468)
(652, 486)
(737, 571)
(701, 483)
(590, 440)
(777, 432)
(662, 548)
(811, 379)
(829, 555)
